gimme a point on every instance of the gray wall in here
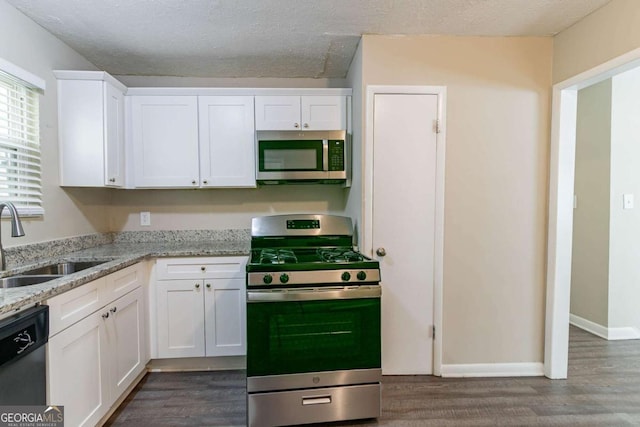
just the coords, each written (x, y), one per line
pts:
(590, 261)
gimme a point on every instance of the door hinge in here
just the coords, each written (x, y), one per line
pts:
(434, 332)
(436, 126)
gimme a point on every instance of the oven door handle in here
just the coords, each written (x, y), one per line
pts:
(314, 294)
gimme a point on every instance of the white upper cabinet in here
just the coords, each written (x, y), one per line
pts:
(227, 141)
(277, 112)
(312, 112)
(114, 135)
(90, 129)
(193, 141)
(164, 134)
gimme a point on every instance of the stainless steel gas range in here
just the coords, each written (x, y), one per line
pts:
(313, 323)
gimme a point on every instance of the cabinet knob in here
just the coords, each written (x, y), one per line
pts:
(306, 125)
(112, 180)
(208, 285)
(205, 182)
(194, 182)
(114, 309)
(203, 268)
(197, 285)
(105, 315)
(296, 125)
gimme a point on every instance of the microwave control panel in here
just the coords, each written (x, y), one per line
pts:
(336, 155)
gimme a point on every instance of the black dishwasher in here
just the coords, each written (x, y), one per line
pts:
(23, 358)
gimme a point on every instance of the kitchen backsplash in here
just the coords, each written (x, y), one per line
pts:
(182, 236)
(25, 254)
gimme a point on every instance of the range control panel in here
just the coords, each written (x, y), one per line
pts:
(303, 224)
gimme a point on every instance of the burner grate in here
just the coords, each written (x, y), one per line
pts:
(277, 256)
(339, 255)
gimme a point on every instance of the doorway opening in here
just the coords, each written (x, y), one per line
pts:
(561, 202)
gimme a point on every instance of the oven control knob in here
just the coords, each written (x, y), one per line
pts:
(361, 275)
(284, 278)
(346, 276)
(267, 279)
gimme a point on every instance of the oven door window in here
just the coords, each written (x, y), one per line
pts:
(311, 336)
(275, 156)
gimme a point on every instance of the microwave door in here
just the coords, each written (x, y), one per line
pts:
(292, 160)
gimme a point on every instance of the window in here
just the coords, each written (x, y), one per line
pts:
(20, 172)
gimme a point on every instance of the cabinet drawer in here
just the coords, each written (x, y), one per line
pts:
(200, 268)
(123, 281)
(67, 308)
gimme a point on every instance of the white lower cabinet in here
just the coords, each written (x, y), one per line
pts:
(201, 307)
(78, 372)
(92, 362)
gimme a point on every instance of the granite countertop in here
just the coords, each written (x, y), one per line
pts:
(117, 256)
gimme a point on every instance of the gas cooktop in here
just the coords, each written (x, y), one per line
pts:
(298, 259)
(301, 247)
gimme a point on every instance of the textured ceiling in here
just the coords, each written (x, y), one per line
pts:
(274, 38)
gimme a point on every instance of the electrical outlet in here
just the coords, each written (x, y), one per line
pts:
(145, 219)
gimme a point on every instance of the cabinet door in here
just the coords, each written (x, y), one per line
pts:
(225, 308)
(227, 141)
(180, 314)
(113, 135)
(165, 141)
(78, 373)
(125, 333)
(277, 112)
(81, 133)
(324, 112)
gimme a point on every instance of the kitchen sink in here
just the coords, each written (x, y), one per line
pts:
(46, 273)
(26, 280)
(62, 268)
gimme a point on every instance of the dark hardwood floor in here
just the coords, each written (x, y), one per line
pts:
(603, 389)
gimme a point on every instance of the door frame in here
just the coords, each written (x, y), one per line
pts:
(561, 187)
(367, 191)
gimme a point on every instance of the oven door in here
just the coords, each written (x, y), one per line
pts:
(312, 330)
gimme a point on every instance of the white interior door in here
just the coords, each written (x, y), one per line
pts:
(404, 197)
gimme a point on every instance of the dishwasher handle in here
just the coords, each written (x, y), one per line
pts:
(23, 333)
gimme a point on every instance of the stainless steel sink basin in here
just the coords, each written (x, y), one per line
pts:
(17, 281)
(46, 273)
(62, 268)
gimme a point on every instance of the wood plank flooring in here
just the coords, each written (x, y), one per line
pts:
(603, 389)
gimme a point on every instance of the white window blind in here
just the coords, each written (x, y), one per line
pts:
(20, 172)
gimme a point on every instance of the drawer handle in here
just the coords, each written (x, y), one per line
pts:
(203, 268)
(197, 285)
(105, 315)
(208, 285)
(114, 309)
(316, 400)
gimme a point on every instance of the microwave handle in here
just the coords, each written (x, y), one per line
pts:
(325, 155)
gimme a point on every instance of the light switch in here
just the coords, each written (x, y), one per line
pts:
(627, 200)
(145, 219)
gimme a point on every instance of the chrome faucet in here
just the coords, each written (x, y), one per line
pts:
(16, 229)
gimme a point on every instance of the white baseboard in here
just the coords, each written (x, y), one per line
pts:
(611, 334)
(493, 370)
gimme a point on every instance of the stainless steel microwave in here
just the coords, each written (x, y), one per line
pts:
(292, 157)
